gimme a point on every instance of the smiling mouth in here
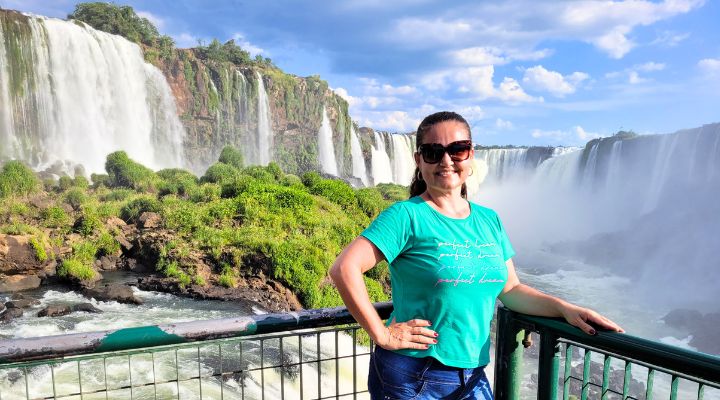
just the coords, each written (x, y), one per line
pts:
(445, 173)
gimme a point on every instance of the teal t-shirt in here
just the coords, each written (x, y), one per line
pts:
(446, 270)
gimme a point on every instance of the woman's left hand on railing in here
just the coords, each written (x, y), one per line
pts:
(584, 318)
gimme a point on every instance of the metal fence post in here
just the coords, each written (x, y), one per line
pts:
(508, 360)
(548, 367)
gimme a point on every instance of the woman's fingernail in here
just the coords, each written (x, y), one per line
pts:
(429, 323)
(436, 334)
(434, 341)
(592, 331)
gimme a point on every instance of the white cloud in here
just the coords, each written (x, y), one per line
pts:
(502, 124)
(246, 45)
(472, 113)
(478, 83)
(670, 39)
(157, 21)
(511, 92)
(393, 121)
(542, 79)
(185, 40)
(480, 56)
(710, 66)
(632, 74)
(583, 135)
(352, 101)
(615, 43)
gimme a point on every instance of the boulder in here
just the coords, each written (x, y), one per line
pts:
(113, 292)
(10, 314)
(14, 283)
(54, 311)
(22, 303)
(86, 307)
(149, 220)
(16, 255)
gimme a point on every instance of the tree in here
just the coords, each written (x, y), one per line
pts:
(119, 20)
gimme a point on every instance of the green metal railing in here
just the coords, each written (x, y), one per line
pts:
(309, 355)
(612, 366)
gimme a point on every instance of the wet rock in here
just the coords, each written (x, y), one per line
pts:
(149, 220)
(54, 311)
(10, 314)
(113, 292)
(125, 245)
(14, 283)
(86, 307)
(16, 255)
(22, 303)
(108, 263)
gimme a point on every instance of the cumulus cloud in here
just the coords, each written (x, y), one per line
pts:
(185, 40)
(540, 78)
(479, 56)
(246, 45)
(583, 135)
(710, 66)
(478, 83)
(157, 21)
(352, 101)
(420, 32)
(393, 121)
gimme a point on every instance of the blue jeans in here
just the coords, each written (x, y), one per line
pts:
(395, 376)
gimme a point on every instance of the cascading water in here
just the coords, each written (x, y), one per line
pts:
(358, 161)
(325, 147)
(403, 164)
(381, 169)
(265, 133)
(72, 93)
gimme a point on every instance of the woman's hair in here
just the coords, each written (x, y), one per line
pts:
(418, 185)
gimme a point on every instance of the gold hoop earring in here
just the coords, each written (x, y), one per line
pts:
(472, 171)
(418, 175)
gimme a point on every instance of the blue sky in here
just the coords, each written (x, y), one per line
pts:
(522, 72)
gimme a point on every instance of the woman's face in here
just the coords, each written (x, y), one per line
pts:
(446, 175)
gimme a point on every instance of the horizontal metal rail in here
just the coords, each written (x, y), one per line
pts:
(48, 347)
(513, 330)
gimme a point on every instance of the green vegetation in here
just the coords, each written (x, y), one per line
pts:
(120, 20)
(239, 221)
(17, 179)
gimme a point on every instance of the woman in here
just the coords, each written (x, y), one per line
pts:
(449, 260)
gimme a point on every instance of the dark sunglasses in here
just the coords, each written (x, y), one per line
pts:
(432, 153)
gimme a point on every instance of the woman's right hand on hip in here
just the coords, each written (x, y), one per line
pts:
(412, 334)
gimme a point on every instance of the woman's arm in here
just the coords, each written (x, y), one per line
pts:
(527, 300)
(347, 273)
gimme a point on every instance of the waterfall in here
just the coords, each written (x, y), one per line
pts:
(381, 169)
(358, 161)
(72, 94)
(326, 150)
(265, 134)
(403, 164)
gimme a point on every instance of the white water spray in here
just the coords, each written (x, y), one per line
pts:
(326, 149)
(265, 133)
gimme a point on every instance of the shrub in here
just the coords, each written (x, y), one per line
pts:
(124, 172)
(87, 224)
(220, 173)
(84, 251)
(132, 210)
(39, 248)
(236, 186)
(199, 280)
(393, 192)
(336, 191)
(176, 181)
(81, 182)
(227, 278)
(309, 179)
(117, 195)
(17, 179)
(182, 216)
(291, 180)
(99, 180)
(370, 201)
(260, 173)
(75, 268)
(205, 193)
(75, 197)
(231, 156)
(275, 170)
(64, 183)
(106, 244)
(55, 217)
